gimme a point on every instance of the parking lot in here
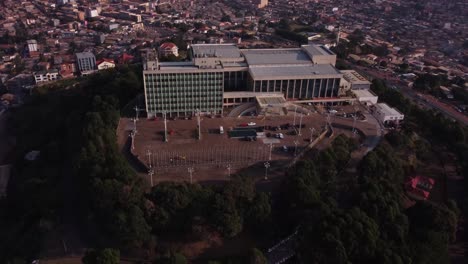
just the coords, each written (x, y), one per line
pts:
(184, 150)
(245, 141)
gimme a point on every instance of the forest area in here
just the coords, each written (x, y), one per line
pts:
(80, 174)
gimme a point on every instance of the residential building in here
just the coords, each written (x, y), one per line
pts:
(261, 3)
(419, 187)
(86, 62)
(46, 76)
(32, 45)
(105, 64)
(168, 48)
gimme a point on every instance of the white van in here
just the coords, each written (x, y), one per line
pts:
(221, 130)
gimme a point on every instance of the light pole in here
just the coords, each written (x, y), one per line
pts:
(311, 133)
(267, 165)
(150, 173)
(165, 126)
(136, 112)
(354, 125)
(300, 124)
(148, 154)
(134, 125)
(295, 147)
(132, 134)
(228, 167)
(295, 111)
(190, 171)
(198, 124)
(271, 148)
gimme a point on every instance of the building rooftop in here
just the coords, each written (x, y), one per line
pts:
(276, 56)
(215, 50)
(279, 72)
(82, 55)
(354, 77)
(364, 93)
(387, 110)
(315, 50)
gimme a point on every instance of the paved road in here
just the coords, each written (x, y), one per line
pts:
(433, 103)
(427, 101)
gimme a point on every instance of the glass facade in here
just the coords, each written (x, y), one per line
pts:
(300, 88)
(184, 93)
(235, 81)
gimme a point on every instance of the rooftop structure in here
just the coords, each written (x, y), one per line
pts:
(366, 96)
(215, 50)
(279, 72)
(354, 80)
(387, 114)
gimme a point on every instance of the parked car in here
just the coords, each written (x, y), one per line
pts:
(243, 125)
(285, 149)
(279, 135)
(252, 124)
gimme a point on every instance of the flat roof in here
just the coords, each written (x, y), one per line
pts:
(387, 110)
(270, 100)
(363, 93)
(317, 50)
(215, 50)
(279, 72)
(276, 56)
(81, 55)
(247, 94)
(354, 77)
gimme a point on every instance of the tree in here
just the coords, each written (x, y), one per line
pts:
(225, 18)
(257, 257)
(103, 256)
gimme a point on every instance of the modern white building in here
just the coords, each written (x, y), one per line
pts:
(46, 76)
(387, 114)
(222, 74)
(365, 96)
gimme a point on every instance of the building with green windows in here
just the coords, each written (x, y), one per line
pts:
(218, 75)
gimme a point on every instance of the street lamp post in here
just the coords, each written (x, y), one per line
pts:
(267, 165)
(165, 126)
(295, 147)
(354, 125)
(271, 148)
(136, 112)
(228, 167)
(151, 173)
(300, 124)
(295, 111)
(198, 123)
(190, 171)
(311, 133)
